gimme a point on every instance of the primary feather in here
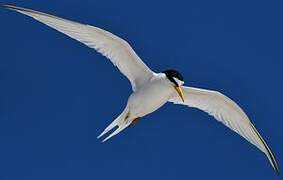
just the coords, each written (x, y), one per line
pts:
(114, 48)
(226, 111)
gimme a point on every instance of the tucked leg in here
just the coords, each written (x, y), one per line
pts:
(135, 121)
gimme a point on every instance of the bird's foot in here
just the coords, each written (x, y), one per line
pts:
(135, 121)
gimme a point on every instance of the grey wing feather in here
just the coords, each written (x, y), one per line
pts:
(226, 111)
(114, 48)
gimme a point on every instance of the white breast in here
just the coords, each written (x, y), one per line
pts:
(151, 96)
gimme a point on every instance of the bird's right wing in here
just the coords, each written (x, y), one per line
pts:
(114, 48)
(226, 111)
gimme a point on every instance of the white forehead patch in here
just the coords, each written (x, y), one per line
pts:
(179, 82)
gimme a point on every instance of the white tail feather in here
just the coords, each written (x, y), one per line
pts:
(121, 128)
(120, 122)
(109, 127)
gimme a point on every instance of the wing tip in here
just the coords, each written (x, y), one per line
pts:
(3, 5)
(14, 8)
(274, 162)
(268, 152)
(8, 6)
(277, 170)
(276, 167)
(19, 9)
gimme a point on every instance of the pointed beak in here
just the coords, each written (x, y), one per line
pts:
(180, 92)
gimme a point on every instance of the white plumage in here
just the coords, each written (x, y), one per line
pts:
(152, 90)
(114, 48)
(226, 111)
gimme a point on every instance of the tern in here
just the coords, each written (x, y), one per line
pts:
(152, 90)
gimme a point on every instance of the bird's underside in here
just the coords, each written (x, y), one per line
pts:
(152, 90)
(145, 100)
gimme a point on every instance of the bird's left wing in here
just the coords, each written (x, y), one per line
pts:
(227, 112)
(114, 48)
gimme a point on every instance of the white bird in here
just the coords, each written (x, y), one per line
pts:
(152, 90)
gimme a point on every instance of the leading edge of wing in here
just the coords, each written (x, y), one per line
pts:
(116, 49)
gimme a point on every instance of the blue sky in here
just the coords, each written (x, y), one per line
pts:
(57, 95)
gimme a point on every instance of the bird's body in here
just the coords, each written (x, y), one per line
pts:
(152, 90)
(150, 97)
(153, 94)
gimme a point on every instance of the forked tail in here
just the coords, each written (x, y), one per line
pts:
(119, 122)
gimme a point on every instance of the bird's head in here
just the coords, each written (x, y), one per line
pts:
(177, 81)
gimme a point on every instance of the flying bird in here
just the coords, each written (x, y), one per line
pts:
(152, 90)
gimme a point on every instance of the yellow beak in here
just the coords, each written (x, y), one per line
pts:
(180, 92)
